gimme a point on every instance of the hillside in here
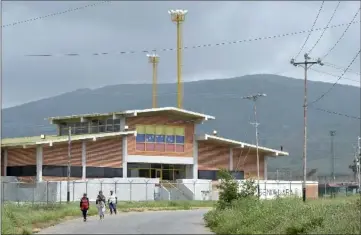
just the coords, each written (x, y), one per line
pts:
(280, 113)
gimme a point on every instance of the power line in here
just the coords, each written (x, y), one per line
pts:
(212, 95)
(308, 36)
(197, 46)
(54, 14)
(333, 85)
(340, 68)
(333, 112)
(341, 37)
(334, 12)
(333, 75)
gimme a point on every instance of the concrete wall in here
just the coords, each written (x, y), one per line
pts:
(196, 189)
(131, 189)
(270, 189)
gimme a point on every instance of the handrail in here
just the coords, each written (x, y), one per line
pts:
(167, 182)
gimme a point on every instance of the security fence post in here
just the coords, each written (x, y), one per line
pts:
(146, 190)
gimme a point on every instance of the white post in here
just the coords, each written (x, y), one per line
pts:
(231, 159)
(83, 159)
(195, 158)
(265, 168)
(39, 163)
(125, 156)
(5, 162)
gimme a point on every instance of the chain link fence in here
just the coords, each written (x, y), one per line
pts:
(340, 185)
(139, 190)
(56, 191)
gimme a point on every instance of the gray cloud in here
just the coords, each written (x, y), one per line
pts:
(126, 26)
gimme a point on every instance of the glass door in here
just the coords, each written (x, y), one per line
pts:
(158, 173)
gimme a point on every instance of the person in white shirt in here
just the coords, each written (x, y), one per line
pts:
(112, 202)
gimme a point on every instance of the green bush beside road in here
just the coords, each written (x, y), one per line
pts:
(243, 213)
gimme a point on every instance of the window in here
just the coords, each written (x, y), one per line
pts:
(160, 138)
(94, 126)
(109, 125)
(101, 126)
(116, 127)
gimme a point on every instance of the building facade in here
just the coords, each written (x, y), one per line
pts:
(151, 143)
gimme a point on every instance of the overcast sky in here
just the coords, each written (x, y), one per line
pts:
(126, 26)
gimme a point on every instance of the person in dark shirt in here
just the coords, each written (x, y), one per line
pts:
(100, 202)
(84, 205)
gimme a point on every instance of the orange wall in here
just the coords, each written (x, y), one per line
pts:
(58, 154)
(244, 160)
(161, 120)
(21, 157)
(104, 153)
(212, 157)
(2, 163)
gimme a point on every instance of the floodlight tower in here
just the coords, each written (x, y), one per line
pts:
(178, 16)
(154, 60)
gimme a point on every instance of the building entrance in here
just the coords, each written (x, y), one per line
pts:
(162, 171)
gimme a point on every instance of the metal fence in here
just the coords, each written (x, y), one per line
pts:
(56, 192)
(289, 175)
(152, 190)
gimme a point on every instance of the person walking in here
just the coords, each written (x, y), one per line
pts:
(112, 202)
(100, 202)
(84, 205)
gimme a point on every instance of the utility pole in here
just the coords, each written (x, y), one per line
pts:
(178, 16)
(69, 164)
(306, 65)
(358, 163)
(154, 59)
(254, 98)
(333, 177)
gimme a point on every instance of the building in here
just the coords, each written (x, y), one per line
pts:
(152, 143)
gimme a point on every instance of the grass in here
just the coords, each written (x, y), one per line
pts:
(288, 216)
(27, 219)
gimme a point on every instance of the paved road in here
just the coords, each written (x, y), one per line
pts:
(155, 222)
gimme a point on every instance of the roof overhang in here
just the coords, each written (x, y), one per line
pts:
(170, 110)
(237, 144)
(136, 112)
(50, 142)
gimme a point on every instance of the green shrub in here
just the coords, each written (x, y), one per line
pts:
(229, 189)
(287, 216)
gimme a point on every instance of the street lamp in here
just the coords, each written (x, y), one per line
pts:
(178, 16)
(254, 98)
(154, 59)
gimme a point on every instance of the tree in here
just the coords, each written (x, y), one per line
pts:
(230, 190)
(353, 167)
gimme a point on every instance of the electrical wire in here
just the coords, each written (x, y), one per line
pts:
(328, 23)
(333, 75)
(195, 46)
(54, 14)
(342, 35)
(333, 85)
(333, 112)
(48, 127)
(339, 68)
(308, 36)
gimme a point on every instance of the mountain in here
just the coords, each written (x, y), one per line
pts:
(280, 114)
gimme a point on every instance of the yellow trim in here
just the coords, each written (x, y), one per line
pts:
(160, 129)
(140, 129)
(179, 131)
(150, 129)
